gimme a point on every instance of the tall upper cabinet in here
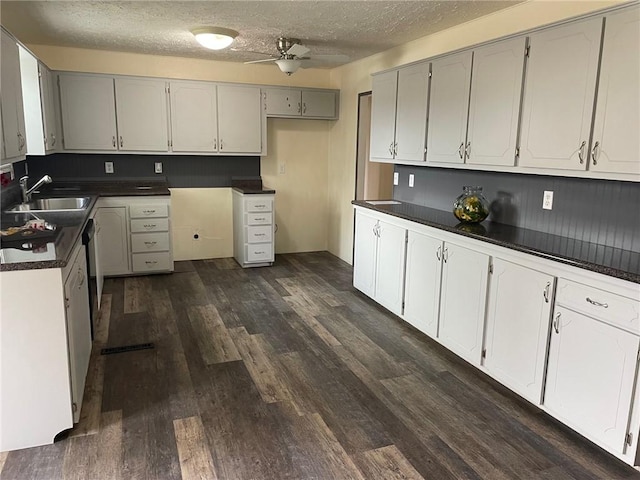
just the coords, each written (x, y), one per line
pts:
(559, 94)
(13, 128)
(399, 114)
(616, 144)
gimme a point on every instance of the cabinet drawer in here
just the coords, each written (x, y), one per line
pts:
(259, 218)
(259, 252)
(148, 211)
(150, 262)
(258, 204)
(149, 242)
(143, 225)
(606, 306)
(259, 234)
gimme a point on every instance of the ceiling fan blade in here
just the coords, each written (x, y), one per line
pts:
(298, 50)
(337, 58)
(261, 61)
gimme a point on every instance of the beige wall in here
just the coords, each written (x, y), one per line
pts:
(355, 77)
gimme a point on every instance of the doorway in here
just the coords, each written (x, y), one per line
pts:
(374, 181)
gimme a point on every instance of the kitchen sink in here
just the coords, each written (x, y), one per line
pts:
(52, 205)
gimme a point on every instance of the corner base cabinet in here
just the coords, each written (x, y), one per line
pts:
(253, 229)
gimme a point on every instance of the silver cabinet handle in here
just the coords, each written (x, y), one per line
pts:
(304, 108)
(82, 279)
(121, 143)
(445, 255)
(395, 149)
(113, 141)
(467, 150)
(581, 151)
(545, 294)
(460, 149)
(53, 140)
(149, 226)
(556, 322)
(439, 253)
(391, 149)
(149, 212)
(150, 262)
(150, 243)
(594, 153)
(299, 108)
(597, 304)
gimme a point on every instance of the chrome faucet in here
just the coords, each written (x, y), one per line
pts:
(26, 193)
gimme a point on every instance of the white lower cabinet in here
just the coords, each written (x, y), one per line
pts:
(422, 282)
(462, 301)
(253, 229)
(113, 240)
(518, 313)
(379, 264)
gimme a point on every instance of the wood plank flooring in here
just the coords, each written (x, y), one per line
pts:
(288, 372)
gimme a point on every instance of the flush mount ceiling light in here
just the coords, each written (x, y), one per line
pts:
(288, 66)
(214, 38)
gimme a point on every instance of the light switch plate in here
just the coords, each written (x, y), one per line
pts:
(396, 178)
(108, 167)
(282, 168)
(547, 200)
(158, 167)
(411, 179)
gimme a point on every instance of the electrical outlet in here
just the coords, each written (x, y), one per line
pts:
(411, 178)
(396, 178)
(282, 168)
(158, 167)
(108, 167)
(547, 200)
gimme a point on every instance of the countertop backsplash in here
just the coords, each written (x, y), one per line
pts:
(603, 212)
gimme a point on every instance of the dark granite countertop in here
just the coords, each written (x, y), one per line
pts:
(55, 252)
(254, 191)
(615, 262)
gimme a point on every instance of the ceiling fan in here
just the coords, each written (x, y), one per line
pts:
(293, 55)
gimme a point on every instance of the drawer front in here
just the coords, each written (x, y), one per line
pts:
(259, 218)
(151, 262)
(259, 234)
(258, 204)
(148, 211)
(142, 225)
(259, 252)
(606, 306)
(149, 242)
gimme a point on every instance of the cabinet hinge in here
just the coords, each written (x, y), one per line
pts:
(491, 268)
(406, 237)
(628, 438)
(168, 89)
(430, 74)
(517, 152)
(66, 302)
(403, 305)
(484, 353)
(527, 50)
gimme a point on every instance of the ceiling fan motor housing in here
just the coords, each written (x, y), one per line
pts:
(284, 44)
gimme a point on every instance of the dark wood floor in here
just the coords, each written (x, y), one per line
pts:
(289, 373)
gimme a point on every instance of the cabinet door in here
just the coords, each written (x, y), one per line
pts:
(78, 330)
(390, 267)
(496, 88)
(194, 117)
(558, 96)
(113, 242)
(411, 117)
(383, 116)
(518, 327)
(142, 114)
(591, 376)
(448, 108)
(462, 303)
(364, 257)
(47, 100)
(239, 119)
(11, 105)
(88, 110)
(422, 282)
(318, 104)
(283, 101)
(617, 121)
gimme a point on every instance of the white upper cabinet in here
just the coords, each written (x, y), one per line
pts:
(88, 110)
(240, 119)
(283, 102)
(48, 99)
(559, 95)
(518, 313)
(300, 103)
(616, 144)
(383, 116)
(496, 89)
(319, 104)
(13, 127)
(194, 117)
(141, 106)
(448, 108)
(411, 117)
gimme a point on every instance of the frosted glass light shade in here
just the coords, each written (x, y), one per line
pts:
(214, 38)
(288, 66)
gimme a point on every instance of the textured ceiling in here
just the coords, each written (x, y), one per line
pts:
(354, 28)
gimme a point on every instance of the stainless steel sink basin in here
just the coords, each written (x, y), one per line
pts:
(52, 205)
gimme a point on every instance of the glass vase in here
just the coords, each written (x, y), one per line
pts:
(471, 206)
